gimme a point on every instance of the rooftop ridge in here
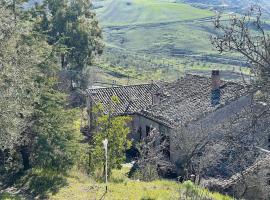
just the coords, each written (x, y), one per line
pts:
(172, 105)
(124, 86)
(209, 77)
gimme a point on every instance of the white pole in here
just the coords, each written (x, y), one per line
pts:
(105, 143)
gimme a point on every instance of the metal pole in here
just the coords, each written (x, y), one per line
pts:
(105, 143)
(106, 169)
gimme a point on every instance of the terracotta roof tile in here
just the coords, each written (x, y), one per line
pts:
(132, 98)
(190, 98)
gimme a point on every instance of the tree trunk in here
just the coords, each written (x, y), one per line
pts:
(25, 157)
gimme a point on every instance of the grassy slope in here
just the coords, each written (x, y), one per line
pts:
(173, 24)
(122, 188)
(126, 12)
(163, 30)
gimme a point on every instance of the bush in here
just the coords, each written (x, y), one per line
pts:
(147, 173)
(194, 192)
(147, 198)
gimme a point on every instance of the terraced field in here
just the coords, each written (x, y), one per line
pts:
(154, 26)
(164, 31)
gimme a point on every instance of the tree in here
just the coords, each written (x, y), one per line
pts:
(115, 129)
(56, 144)
(72, 27)
(246, 35)
(18, 89)
(37, 128)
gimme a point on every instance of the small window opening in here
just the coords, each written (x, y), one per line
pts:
(140, 133)
(148, 130)
(269, 142)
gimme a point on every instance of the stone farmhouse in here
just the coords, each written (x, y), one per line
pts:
(194, 106)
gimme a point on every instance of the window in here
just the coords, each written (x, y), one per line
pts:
(268, 178)
(166, 142)
(148, 129)
(140, 133)
(269, 142)
(162, 129)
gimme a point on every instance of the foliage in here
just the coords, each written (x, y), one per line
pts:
(146, 173)
(247, 35)
(16, 79)
(20, 58)
(57, 139)
(7, 196)
(115, 129)
(72, 28)
(37, 127)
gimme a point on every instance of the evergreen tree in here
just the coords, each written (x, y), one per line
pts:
(71, 26)
(36, 127)
(18, 68)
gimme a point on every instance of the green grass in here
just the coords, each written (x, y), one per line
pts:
(81, 187)
(162, 30)
(163, 36)
(7, 196)
(119, 12)
(127, 68)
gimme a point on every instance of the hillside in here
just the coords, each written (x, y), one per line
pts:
(159, 39)
(126, 12)
(163, 38)
(230, 5)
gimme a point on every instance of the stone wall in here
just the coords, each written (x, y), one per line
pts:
(140, 122)
(208, 126)
(251, 184)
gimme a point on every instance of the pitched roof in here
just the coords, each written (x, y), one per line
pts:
(189, 99)
(132, 98)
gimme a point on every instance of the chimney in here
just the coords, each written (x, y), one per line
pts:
(215, 94)
(215, 79)
(156, 97)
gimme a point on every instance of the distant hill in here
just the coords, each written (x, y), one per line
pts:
(131, 12)
(231, 5)
(157, 27)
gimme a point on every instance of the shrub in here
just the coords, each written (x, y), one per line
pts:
(147, 198)
(147, 173)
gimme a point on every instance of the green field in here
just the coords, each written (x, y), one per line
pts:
(155, 26)
(162, 31)
(139, 12)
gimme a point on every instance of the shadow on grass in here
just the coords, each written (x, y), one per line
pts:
(103, 196)
(7, 196)
(41, 182)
